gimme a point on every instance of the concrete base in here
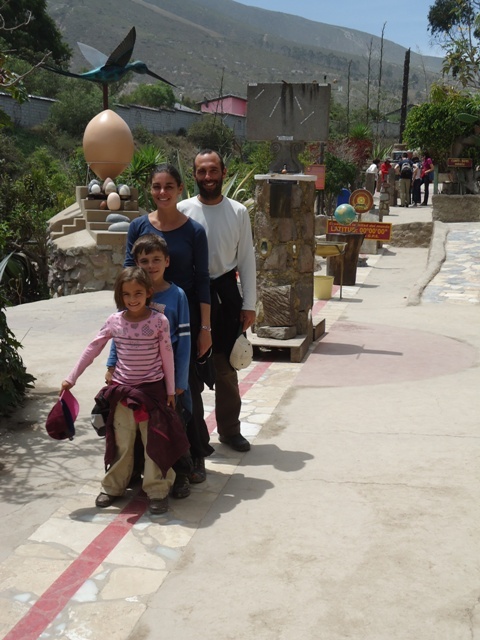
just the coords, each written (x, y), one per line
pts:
(297, 346)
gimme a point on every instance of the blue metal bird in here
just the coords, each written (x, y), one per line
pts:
(109, 68)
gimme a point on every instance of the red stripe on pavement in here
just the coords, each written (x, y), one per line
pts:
(319, 304)
(245, 385)
(57, 596)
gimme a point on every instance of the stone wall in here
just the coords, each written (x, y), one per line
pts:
(449, 208)
(29, 114)
(78, 265)
(411, 234)
(158, 121)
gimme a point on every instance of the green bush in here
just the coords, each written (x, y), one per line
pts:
(14, 379)
(76, 106)
(212, 133)
(150, 95)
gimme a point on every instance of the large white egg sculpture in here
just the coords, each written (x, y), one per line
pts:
(108, 144)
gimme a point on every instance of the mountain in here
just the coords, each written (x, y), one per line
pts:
(213, 47)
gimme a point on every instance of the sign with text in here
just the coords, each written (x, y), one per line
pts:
(373, 230)
(460, 163)
(319, 171)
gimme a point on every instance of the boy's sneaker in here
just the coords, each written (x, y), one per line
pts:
(158, 506)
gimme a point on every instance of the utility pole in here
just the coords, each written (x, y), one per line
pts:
(348, 97)
(380, 69)
(403, 111)
(369, 68)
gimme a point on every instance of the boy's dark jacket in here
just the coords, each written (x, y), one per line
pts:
(166, 438)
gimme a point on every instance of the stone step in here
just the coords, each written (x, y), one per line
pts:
(100, 215)
(127, 205)
(82, 192)
(78, 225)
(109, 237)
(98, 226)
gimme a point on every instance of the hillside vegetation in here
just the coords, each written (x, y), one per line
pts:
(208, 47)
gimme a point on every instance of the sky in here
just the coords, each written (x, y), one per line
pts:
(406, 22)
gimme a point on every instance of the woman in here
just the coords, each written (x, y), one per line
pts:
(187, 245)
(426, 175)
(416, 181)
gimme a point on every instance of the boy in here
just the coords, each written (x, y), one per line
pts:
(150, 253)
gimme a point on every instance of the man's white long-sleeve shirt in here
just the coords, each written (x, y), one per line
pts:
(230, 243)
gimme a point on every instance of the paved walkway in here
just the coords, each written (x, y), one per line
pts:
(355, 515)
(459, 278)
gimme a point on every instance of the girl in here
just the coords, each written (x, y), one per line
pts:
(141, 396)
(188, 269)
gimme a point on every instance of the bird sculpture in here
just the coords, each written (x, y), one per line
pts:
(110, 68)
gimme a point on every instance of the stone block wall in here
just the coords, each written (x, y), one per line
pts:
(411, 234)
(83, 267)
(450, 208)
(29, 114)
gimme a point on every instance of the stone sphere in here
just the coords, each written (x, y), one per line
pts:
(116, 217)
(109, 187)
(108, 144)
(94, 187)
(345, 214)
(119, 226)
(123, 190)
(113, 202)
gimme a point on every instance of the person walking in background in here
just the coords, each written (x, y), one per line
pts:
(371, 177)
(416, 181)
(139, 396)
(426, 175)
(230, 243)
(385, 169)
(405, 170)
(188, 269)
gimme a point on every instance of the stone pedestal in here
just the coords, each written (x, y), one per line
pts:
(284, 232)
(370, 182)
(384, 206)
(352, 251)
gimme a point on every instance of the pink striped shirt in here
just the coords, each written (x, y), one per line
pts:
(144, 351)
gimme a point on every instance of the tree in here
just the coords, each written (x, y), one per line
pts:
(77, 104)
(25, 30)
(436, 125)
(29, 32)
(339, 173)
(14, 379)
(211, 132)
(455, 25)
(150, 95)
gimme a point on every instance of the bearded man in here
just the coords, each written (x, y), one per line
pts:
(230, 250)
